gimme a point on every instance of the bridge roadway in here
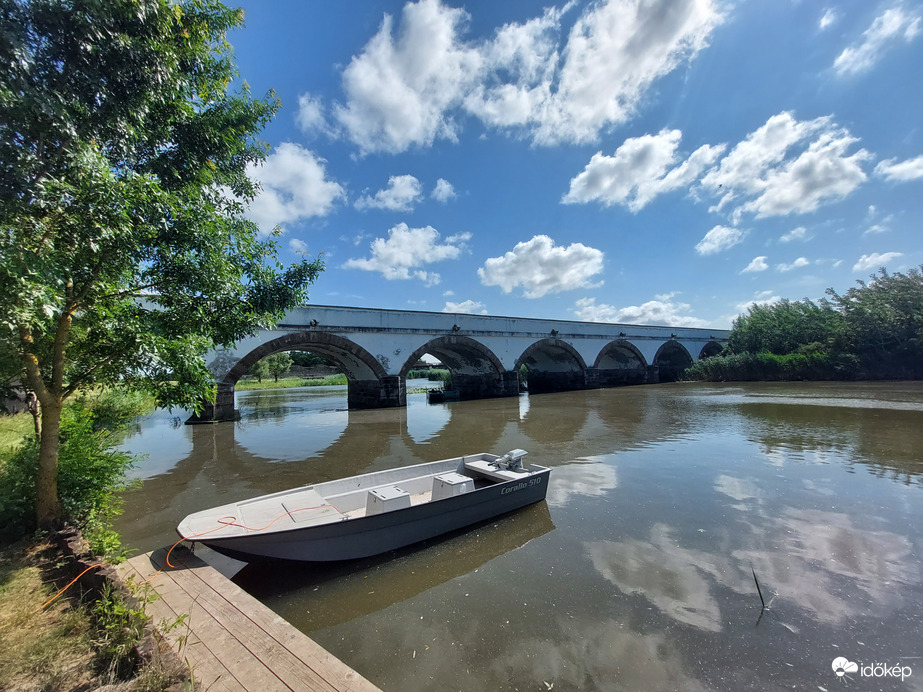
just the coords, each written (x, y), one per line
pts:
(377, 348)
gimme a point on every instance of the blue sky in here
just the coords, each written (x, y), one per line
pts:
(643, 161)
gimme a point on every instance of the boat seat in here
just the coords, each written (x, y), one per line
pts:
(488, 470)
(386, 499)
(451, 484)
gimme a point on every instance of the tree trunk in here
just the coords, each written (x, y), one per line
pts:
(47, 505)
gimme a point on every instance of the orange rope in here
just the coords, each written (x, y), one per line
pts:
(53, 598)
(224, 522)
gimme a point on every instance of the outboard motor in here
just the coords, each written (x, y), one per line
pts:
(512, 460)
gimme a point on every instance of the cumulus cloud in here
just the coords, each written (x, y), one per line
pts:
(770, 179)
(641, 169)
(893, 170)
(297, 245)
(310, 117)
(889, 27)
(797, 264)
(400, 89)
(405, 250)
(407, 86)
(757, 264)
(402, 193)
(443, 191)
(294, 188)
(466, 307)
(540, 267)
(829, 18)
(614, 52)
(718, 239)
(875, 260)
(800, 233)
(784, 167)
(662, 310)
(761, 298)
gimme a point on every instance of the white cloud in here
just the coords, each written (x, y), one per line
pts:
(760, 170)
(405, 88)
(297, 245)
(402, 193)
(829, 18)
(641, 169)
(443, 191)
(662, 310)
(294, 188)
(757, 264)
(875, 260)
(540, 267)
(310, 117)
(400, 255)
(614, 52)
(466, 307)
(761, 298)
(520, 64)
(890, 26)
(797, 264)
(718, 239)
(900, 171)
(800, 233)
(399, 89)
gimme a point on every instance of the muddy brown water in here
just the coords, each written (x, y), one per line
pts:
(638, 570)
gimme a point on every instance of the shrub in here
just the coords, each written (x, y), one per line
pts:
(91, 473)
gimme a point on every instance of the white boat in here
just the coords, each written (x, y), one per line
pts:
(371, 513)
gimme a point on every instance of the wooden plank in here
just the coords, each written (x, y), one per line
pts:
(322, 662)
(207, 668)
(284, 666)
(234, 641)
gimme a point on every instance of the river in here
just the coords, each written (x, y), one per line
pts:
(637, 573)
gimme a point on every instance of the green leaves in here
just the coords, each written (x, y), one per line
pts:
(124, 252)
(874, 330)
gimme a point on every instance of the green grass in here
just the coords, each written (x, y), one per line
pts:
(13, 430)
(287, 382)
(40, 649)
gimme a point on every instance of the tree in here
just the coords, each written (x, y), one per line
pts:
(278, 364)
(259, 370)
(124, 252)
(884, 322)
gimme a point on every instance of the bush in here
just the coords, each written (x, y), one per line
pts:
(91, 473)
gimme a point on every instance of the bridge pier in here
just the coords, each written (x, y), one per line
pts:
(388, 392)
(220, 410)
(544, 382)
(486, 386)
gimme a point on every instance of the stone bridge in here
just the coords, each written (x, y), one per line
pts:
(377, 348)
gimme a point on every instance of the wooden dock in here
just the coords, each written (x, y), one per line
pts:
(230, 640)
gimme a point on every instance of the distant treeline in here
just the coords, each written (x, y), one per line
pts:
(873, 331)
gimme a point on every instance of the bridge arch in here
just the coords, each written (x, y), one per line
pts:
(357, 363)
(462, 355)
(620, 362)
(671, 359)
(712, 348)
(553, 365)
(368, 383)
(477, 373)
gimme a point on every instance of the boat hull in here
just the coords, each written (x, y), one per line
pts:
(379, 533)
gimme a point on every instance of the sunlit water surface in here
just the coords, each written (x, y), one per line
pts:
(638, 571)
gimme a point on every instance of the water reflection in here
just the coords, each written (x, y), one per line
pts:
(663, 503)
(331, 594)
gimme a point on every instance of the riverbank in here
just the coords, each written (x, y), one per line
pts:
(289, 382)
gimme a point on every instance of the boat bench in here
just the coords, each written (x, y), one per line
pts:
(488, 470)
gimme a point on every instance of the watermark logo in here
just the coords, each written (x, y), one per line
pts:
(842, 666)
